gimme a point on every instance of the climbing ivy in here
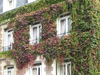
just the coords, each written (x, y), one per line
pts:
(81, 45)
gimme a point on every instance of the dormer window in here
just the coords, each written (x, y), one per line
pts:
(35, 35)
(63, 25)
(8, 40)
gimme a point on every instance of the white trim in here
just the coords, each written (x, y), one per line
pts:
(37, 67)
(38, 33)
(59, 25)
(6, 70)
(59, 69)
(6, 40)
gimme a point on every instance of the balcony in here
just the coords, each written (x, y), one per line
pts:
(6, 48)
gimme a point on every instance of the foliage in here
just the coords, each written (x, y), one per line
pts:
(81, 45)
(6, 54)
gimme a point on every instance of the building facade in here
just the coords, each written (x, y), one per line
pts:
(32, 32)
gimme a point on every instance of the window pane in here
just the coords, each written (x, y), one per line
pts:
(38, 71)
(10, 4)
(62, 70)
(34, 35)
(34, 71)
(69, 24)
(9, 73)
(68, 69)
(63, 26)
(39, 32)
(9, 40)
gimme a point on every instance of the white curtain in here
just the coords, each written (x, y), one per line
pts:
(35, 35)
(34, 71)
(63, 26)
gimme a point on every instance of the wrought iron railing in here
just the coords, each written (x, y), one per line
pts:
(6, 48)
(35, 41)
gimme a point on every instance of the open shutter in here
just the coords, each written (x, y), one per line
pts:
(1, 6)
(4, 72)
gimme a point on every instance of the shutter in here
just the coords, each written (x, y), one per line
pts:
(12, 39)
(1, 6)
(21, 2)
(40, 29)
(31, 34)
(4, 72)
(5, 41)
(12, 72)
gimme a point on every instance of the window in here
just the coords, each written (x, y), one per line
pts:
(11, 4)
(9, 70)
(36, 70)
(35, 35)
(8, 40)
(65, 69)
(63, 25)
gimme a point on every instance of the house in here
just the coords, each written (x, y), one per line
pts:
(47, 37)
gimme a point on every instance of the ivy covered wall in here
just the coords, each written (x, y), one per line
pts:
(81, 45)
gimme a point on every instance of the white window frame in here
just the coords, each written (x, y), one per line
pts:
(31, 33)
(6, 44)
(59, 69)
(59, 34)
(6, 70)
(30, 1)
(38, 66)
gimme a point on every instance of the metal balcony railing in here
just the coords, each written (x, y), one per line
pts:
(6, 48)
(35, 41)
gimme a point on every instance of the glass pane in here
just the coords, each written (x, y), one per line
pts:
(69, 24)
(9, 73)
(9, 40)
(34, 71)
(34, 35)
(63, 26)
(10, 4)
(68, 69)
(38, 71)
(62, 70)
(39, 32)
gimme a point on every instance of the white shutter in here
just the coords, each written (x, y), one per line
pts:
(12, 72)
(31, 33)
(5, 41)
(4, 72)
(12, 39)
